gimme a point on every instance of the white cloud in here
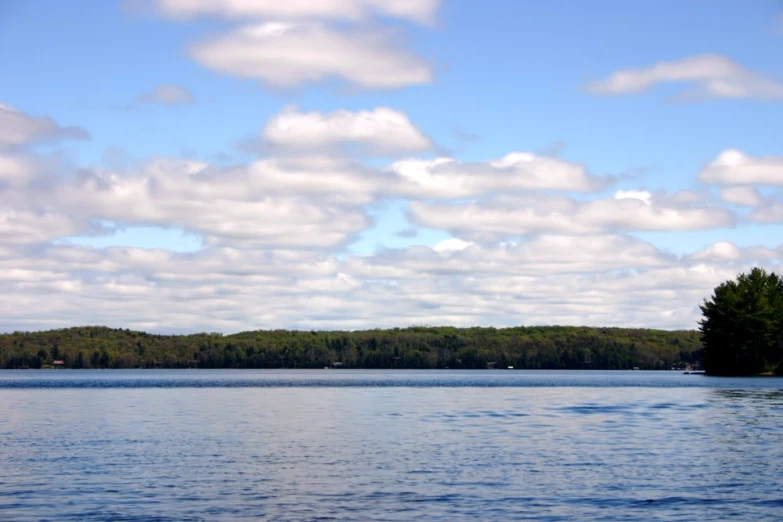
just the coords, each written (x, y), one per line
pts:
(344, 181)
(771, 213)
(341, 180)
(325, 178)
(274, 230)
(641, 195)
(18, 128)
(302, 201)
(713, 76)
(451, 245)
(734, 167)
(336, 179)
(15, 169)
(318, 201)
(421, 11)
(184, 194)
(742, 196)
(169, 95)
(285, 55)
(381, 130)
(237, 208)
(546, 280)
(505, 216)
(518, 171)
(536, 256)
(22, 227)
(725, 251)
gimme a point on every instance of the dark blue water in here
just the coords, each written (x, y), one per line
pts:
(359, 445)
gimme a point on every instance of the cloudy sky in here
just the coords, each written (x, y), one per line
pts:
(225, 165)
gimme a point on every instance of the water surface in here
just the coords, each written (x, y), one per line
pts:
(371, 445)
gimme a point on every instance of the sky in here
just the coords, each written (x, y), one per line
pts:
(228, 165)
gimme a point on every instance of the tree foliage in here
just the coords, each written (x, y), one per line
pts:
(416, 347)
(742, 325)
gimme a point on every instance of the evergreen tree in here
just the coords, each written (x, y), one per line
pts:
(742, 327)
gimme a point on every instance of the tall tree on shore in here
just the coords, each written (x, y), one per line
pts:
(742, 325)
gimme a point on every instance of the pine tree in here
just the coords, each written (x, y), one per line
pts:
(742, 327)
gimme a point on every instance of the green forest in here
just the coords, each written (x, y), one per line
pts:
(552, 347)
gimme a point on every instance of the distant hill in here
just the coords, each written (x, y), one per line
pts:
(551, 347)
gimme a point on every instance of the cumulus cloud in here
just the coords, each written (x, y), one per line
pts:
(326, 178)
(21, 227)
(734, 167)
(382, 130)
(15, 169)
(237, 208)
(726, 251)
(452, 244)
(770, 213)
(303, 201)
(710, 75)
(338, 179)
(168, 95)
(518, 171)
(387, 131)
(319, 201)
(537, 255)
(504, 216)
(18, 128)
(640, 195)
(274, 230)
(546, 280)
(441, 178)
(225, 211)
(421, 11)
(742, 196)
(284, 55)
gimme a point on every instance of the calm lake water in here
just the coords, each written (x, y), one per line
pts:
(374, 445)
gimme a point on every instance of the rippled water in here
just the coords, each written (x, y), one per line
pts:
(359, 445)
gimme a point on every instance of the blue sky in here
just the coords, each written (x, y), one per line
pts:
(479, 81)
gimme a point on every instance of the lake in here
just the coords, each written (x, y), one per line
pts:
(171, 445)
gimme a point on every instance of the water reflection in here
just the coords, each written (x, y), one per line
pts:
(385, 453)
(772, 396)
(33, 379)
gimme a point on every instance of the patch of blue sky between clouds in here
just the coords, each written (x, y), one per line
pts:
(389, 220)
(172, 239)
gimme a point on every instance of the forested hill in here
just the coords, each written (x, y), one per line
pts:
(552, 347)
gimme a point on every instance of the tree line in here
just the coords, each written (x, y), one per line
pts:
(554, 347)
